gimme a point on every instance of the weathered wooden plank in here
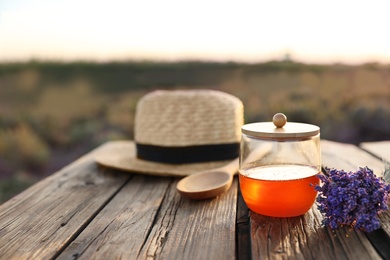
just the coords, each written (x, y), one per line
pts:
(137, 216)
(146, 220)
(305, 237)
(121, 228)
(380, 149)
(277, 238)
(243, 229)
(348, 157)
(202, 230)
(42, 220)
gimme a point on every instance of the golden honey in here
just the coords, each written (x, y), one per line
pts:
(280, 190)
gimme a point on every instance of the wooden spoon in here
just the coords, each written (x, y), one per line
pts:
(211, 183)
(208, 184)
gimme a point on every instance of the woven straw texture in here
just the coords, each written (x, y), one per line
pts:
(177, 119)
(188, 117)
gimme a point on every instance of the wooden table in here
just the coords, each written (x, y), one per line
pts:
(90, 212)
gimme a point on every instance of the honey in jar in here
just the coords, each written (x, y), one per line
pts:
(279, 164)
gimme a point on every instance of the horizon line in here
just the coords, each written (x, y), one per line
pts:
(186, 60)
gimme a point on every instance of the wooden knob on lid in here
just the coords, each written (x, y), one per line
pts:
(279, 129)
(279, 120)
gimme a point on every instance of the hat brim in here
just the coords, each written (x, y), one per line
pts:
(121, 155)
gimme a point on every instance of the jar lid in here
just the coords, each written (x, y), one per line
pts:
(280, 129)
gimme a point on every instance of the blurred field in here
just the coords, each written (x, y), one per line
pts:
(51, 113)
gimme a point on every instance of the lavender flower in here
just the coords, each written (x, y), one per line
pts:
(352, 198)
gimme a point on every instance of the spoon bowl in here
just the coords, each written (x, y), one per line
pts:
(208, 184)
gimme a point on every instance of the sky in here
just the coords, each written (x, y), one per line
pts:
(310, 31)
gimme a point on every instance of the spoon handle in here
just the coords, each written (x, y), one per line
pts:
(257, 154)
(231, 167)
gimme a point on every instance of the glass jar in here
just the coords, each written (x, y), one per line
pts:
(279, 163)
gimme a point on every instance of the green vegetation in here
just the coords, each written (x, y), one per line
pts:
(51, 113)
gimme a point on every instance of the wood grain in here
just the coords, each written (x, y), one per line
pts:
(200, 229)
(243, 229)
(305, 237)
(149, 219)
(122, 226)
(380, 149)
(90, 212)
(349, 158)
(42, 220)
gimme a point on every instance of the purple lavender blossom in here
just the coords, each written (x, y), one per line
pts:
(352, 198)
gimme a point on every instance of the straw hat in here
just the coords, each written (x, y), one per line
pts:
(178, 133)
